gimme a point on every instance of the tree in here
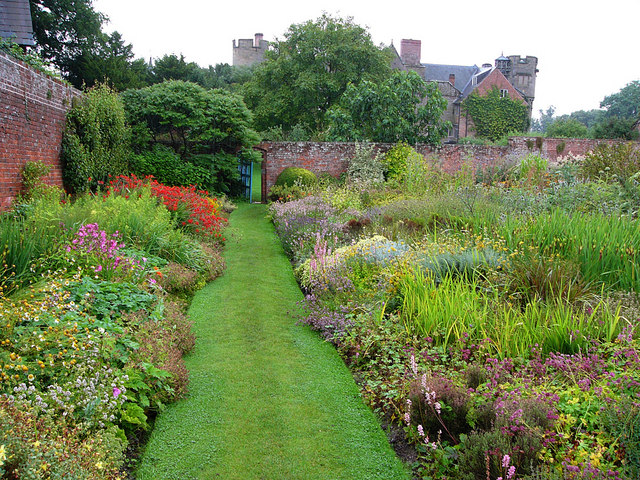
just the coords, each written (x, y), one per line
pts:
(95, 143)
(622, 111)
(205, 127)
(110, 62)
(68, 34)
(495, 116)
(306, 73)
(546, 119)
(225, 76)
(615, 127)
(170, 67)
(567, 128)
(587, 117)
(64, 30)
(625, 103)
(402, 108)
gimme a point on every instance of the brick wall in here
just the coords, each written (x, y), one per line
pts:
(333, 158)
(32, 116)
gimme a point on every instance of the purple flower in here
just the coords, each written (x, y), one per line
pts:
(116, 392)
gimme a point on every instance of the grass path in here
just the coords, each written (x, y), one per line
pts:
(269, 400)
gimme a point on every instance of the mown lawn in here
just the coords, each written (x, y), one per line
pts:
(268, 398)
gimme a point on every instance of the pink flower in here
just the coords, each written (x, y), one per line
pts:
(506, 460)
(116, 392)
(97, 268)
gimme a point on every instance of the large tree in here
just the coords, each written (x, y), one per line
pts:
(567, 128)
(402, 108)
(68, 34)
(307, 72)
(622, 110)
(625, 103)
(208, 128)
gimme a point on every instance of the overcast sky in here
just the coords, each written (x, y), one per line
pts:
(586, 49)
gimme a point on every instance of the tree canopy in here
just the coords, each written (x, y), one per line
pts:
(205, 127)
(68, 34)
(305, 74)
(567, 128)
(403, 108)
(625, 103)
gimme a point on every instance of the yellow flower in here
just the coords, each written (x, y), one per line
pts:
(3, 455)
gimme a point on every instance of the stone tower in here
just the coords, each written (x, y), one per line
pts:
(249, 51)
(521, 73)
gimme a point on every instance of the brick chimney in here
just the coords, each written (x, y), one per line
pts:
(452, 79)
(258, 40)
(410, 51)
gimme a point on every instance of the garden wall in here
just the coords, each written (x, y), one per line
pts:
(32, 116)
(333, 158)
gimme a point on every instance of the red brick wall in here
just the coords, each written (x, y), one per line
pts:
(32, 116)
(333, 158)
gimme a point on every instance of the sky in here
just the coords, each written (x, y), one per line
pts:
(586, 49)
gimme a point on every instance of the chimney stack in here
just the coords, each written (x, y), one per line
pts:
(258, 40)
(410, 52)
(452, 79)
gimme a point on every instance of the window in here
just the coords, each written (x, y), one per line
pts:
(504, 93)
(474, 80)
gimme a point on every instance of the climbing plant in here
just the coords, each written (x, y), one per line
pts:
(495, 116)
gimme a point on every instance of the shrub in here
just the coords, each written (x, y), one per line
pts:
(286, 193)
(95, 142)
(612, 162)
(290, 175)
(365, 167)
(395, 161)
(168, 168)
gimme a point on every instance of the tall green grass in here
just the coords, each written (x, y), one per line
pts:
(607, 248)
(455, 308)
(23, 243)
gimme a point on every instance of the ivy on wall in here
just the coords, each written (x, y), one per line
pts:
(495, 116)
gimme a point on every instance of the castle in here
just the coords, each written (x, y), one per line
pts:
(249, 51)
(513, 75)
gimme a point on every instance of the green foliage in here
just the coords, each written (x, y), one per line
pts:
(168, 168)
(569, 128)
(288, 193)
(494, 116)
(170, 67)
(625, 103)
(365, 167)
(615, 163)
(95, 143)
(615, 127)
(395, 161)
(209, 128)
(29, 57)
(546, 119)
(308, 71)
(68, 34)
(390, 111)
(532, 170)
(291, 175)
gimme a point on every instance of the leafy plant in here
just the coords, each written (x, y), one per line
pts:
(365, 167)
(290, 175)
(95, 143)
(495, 116)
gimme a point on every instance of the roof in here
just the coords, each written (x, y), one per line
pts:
(15, 21)
(440, 73)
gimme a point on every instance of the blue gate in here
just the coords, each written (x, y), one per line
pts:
(246, 168)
